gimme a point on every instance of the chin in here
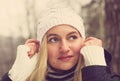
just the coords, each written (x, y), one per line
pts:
(65, 68)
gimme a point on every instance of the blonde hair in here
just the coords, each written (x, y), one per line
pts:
(40, 71)
(41, 67)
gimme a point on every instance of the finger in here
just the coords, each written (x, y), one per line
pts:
(31, 53)
(31, 41)
(32, 44)
(33, 48)
(90, 38)
(93, 41)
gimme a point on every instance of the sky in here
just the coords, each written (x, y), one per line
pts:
(13, 16)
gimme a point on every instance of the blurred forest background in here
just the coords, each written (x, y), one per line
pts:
(18, 18)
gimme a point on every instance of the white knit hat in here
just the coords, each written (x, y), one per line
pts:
(58, 16)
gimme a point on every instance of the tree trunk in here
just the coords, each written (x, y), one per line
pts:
(112, 31)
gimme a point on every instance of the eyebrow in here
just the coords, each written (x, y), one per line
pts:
(74, 32)
(52, 34)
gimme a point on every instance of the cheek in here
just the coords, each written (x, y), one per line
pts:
(77, 46)
(52, 53)
(76, 51)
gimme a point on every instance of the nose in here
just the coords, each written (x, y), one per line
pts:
(64, 46)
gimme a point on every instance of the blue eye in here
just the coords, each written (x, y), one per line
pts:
(53, 40)
(73, 37)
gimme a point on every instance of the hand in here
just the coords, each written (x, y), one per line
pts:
(92, 41)
(33, 45)
(93, 52)
(23, 65)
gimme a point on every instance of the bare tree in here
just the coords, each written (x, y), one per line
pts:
(112, 8)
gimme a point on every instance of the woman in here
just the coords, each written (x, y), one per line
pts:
(64, 53)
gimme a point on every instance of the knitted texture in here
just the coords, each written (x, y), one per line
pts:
(23, 65)
(93, 55)
(59, 16)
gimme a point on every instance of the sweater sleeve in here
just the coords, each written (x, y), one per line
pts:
(6, 78)
(98, 73)
(95, 71)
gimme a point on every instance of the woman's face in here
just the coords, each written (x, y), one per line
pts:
(64, 44)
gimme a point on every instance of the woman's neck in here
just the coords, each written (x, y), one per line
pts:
(60, 75)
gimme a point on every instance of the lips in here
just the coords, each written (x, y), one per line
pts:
(65, 58)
